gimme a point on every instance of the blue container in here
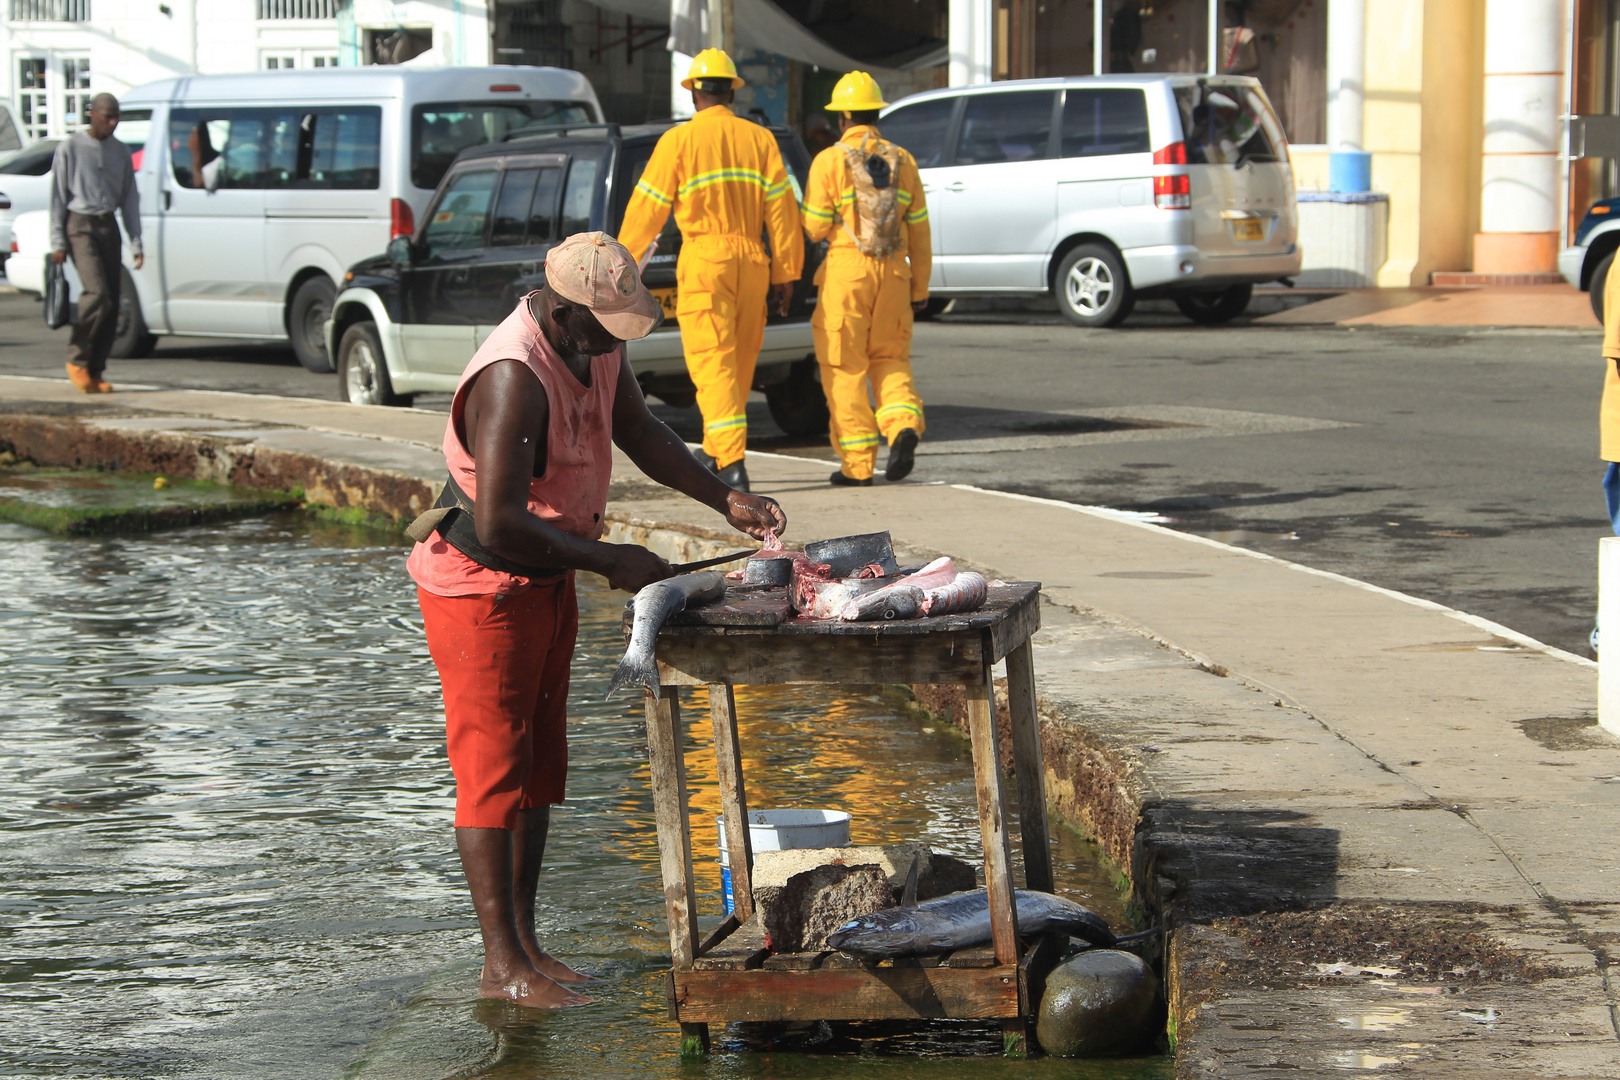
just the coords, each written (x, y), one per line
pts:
(1349, 171)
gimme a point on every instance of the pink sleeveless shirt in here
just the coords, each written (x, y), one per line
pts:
(572, 495)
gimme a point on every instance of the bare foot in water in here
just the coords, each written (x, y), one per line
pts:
(529, 987)
(553, 968)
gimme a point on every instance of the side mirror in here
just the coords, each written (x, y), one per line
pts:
(401, 252)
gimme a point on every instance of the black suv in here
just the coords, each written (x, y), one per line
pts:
(407, 321)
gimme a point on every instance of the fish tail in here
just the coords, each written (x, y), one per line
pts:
(631, 670)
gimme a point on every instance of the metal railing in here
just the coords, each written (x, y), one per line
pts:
(50, 10)
(294, 9)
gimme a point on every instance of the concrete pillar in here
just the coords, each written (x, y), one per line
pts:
(972, 40)
(1608, 622)
(1524, 64)
(1346, 73)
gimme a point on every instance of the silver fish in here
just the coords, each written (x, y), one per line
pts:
(894, 602)
(653, 606)
(961, 920)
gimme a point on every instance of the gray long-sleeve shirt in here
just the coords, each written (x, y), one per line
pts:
(93, 176)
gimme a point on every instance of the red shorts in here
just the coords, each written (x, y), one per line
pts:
(503, 661)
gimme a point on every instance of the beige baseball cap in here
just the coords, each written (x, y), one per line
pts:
(593, 269)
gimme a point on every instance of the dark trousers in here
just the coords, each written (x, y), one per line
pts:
(96, 248)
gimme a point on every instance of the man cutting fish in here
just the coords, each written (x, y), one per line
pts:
(529, 450)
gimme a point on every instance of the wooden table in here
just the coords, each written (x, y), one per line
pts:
(752, 637)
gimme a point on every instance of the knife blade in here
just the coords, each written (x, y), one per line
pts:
(704, 564)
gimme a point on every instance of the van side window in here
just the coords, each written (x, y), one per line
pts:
(1013, 126)
(512, 208)
(578, 196)
(457, 222)
(441, 130)
(543, 211)
(921, 129)
(221, 148)
(1099, 122)
(341, 148)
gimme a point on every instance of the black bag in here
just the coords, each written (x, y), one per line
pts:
(58, 306)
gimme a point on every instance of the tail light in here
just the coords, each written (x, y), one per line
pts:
(1172, 192)
(401, 221)
(14, 247)
(1174, 154)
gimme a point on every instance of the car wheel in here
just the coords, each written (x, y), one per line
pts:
(1222, 305)
(936, 306)
(131, 340)
(1093, 288)
(362, 369)
(797, 403)
(306, 321)
(1600, 281)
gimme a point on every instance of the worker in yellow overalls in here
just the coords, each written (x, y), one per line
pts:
(725, 180)
(866, 192)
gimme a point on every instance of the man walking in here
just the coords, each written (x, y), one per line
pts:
(93, 175)
(529, 445)
(725, 180)
(867, 193)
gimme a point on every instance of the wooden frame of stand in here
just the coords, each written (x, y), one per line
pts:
(731, 976)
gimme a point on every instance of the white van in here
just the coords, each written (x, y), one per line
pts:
(1100, 190)
(258, 191)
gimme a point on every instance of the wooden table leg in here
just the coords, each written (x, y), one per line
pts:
(733, 798)
(1029, 768)
(668, 768)
(992, 817)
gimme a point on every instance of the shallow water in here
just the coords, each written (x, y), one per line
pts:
(225, 845)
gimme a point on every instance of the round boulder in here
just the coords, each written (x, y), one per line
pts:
(1099, 1003)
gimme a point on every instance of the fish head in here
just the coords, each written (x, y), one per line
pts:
(891, 932)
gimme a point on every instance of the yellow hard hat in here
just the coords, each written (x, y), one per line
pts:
(856, 92)
(712, 64)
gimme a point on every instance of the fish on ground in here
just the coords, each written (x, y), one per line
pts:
(653, 606)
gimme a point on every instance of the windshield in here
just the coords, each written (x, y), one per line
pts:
(441, 130)
(1227, 124)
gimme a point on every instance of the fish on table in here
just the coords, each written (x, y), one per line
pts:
(653, 607)
(936, 589)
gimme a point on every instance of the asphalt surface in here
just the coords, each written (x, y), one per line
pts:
(1457, 465)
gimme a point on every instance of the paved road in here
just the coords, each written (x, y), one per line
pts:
(1456, 465)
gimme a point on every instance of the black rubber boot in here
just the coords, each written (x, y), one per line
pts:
(706, 461)
(838, 479)
(902, 455)
(735, 476)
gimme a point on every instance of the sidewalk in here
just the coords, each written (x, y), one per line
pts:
(1559, 306)
(1245, 734)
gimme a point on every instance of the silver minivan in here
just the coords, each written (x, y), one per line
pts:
(1103, 190)
(258, 191)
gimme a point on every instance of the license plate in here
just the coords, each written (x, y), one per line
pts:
(666, 300)
(1248, 230)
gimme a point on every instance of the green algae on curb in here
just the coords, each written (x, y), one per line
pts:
(77, 503)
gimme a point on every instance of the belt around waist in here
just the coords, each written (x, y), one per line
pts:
(452, 518)
(103, 216)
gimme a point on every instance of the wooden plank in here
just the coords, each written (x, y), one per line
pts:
(992, 818)
(668, 768)
(1029, 768)
(1018, 624)
(1009, 602)
(733, 798)
(862, 993)
(719, 934)
(791, 961)
(978, 956)
(741, 949)
(766, 659)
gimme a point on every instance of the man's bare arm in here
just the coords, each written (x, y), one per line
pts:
(505, 422)
(660, 453)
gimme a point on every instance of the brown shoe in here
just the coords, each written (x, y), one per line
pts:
(81, 378)
(101, 387)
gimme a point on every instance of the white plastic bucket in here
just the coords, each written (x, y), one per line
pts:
(784, 830)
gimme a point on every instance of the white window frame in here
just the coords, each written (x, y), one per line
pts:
(56, 98)
(300, 59)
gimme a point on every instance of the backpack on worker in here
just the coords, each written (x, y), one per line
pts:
(875, 166)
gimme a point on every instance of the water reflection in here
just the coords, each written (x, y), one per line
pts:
(226, 830)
